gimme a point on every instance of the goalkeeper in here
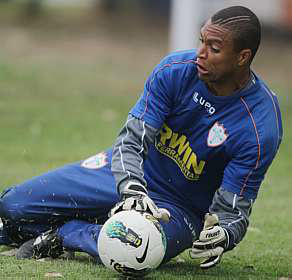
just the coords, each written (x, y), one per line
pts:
(199, 140)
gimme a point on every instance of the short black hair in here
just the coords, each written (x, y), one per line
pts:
(244, 25)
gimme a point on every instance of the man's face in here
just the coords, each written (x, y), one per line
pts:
(217, 60)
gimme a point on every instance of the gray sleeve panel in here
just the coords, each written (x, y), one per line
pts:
(233, 212)
(129, 152)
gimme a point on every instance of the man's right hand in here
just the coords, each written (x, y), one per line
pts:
(135, 197)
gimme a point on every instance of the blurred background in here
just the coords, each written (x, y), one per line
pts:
(70, 71)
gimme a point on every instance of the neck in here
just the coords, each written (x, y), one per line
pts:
(228, 86)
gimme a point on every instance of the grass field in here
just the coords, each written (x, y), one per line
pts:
(64, 96)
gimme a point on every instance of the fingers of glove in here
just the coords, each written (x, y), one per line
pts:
(210, 262)
(128, 203)
(210, 220)
(141, 205)
(117, 208)
(197, 254)
(159, 213)
(208, 245)
(165, 215)
(198, 245)
(152, 207)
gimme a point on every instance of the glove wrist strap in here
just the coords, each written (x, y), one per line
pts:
(134, 188)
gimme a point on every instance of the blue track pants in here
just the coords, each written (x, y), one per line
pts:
(76, 200)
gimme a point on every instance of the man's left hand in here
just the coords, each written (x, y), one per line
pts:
(211, 242)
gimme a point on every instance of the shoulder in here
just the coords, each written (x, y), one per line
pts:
(185, 56)
(263, 125)
(178, 60)
(175, 68)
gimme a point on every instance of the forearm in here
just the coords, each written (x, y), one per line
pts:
(127, 167)
(233, 212)
(130, 150)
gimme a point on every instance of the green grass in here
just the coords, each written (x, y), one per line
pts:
(60, 104)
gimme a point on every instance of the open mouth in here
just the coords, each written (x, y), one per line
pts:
(201, 68)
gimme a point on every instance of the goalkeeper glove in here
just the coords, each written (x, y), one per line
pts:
(135, 197)
(211, 243)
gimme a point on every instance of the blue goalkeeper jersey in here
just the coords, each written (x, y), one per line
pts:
(206, 141)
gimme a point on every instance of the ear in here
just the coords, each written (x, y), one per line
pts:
(244, 57)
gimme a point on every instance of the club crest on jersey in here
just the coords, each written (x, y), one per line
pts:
(217, 135)
(96, 161)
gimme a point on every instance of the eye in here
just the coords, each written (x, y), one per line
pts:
(215, 49)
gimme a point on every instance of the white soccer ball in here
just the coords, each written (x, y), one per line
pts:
(132, 243)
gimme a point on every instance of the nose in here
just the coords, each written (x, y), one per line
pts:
(202, 51)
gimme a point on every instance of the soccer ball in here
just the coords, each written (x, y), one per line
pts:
(132, 243)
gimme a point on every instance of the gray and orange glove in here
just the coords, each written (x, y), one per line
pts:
(211, 243)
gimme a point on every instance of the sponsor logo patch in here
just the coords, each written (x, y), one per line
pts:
(204, 103)
(95, 162)
(177, 147)
(217, 135)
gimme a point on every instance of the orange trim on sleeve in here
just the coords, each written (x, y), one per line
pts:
(276, 113)
(258, 142)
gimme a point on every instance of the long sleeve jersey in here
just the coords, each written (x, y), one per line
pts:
(198, 150)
